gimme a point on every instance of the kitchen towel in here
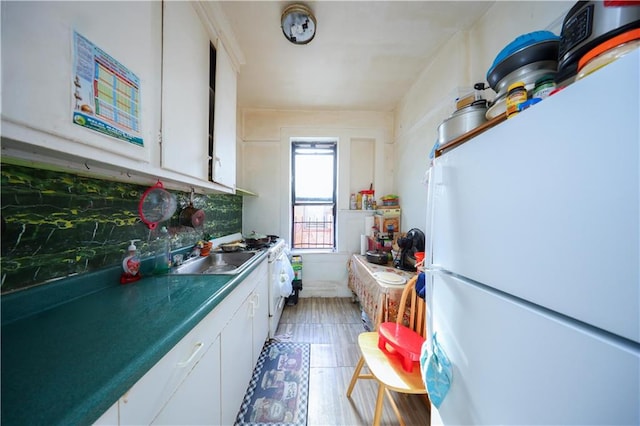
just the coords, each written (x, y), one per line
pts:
(364, 243)
(435, 366)
(436, 371)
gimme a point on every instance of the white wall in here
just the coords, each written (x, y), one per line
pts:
(463, 61)
(265, 166)
(403, 141)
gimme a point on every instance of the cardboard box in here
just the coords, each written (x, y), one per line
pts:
(387, 217)
(388, 211)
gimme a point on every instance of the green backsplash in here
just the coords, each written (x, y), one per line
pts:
(57, 224)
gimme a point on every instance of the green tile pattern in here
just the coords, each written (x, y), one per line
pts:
(57, 224)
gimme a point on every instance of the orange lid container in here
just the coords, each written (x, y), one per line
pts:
(607, 52)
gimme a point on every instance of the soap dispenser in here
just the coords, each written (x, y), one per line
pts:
(130, 265)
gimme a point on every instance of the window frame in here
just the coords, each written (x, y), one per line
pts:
(318, 143)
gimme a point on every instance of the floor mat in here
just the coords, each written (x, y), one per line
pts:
(278, 393)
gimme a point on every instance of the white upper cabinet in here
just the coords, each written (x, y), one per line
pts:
(186, 108)
(138, 68)
(224, 130)
(47, 76)
(185, 94)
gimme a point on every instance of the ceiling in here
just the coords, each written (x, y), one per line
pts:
(364, 57)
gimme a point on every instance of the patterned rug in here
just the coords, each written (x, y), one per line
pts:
(279, 388)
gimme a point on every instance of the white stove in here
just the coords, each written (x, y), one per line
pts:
(278, 264)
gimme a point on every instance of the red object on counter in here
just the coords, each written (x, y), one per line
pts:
(126, 278)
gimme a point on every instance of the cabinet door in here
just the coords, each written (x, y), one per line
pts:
(236, 361)
(185, 91)
(260, 316)
(142, 403)
(197, 399)
(224, 130)
(37, 69)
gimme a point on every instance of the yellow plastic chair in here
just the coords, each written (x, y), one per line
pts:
(386, 365)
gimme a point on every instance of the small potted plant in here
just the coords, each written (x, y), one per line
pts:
(207, 244)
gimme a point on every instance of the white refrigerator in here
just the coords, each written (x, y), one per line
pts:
(533, 237)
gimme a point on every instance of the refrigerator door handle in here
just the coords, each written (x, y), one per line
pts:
(428, 261)
(430, 272)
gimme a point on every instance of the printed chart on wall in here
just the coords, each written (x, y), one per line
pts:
(105, 93)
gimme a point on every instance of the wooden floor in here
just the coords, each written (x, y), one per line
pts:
(331, 326)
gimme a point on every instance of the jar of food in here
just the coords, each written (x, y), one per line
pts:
(367, 199)
(516, 95)
(544, 86)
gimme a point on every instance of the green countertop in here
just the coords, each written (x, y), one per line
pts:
(69, 363)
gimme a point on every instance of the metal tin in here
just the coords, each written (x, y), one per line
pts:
(462, 121)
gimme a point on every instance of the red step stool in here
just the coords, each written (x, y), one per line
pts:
(406, 342)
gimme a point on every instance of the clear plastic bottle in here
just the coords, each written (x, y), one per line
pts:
(352, 202)
(163, 253)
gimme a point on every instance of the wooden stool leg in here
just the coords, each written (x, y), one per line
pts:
(355, 376)
(395, 407)
(379, 400)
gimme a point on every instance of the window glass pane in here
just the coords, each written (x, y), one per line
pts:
(314, 177)
(313, 227)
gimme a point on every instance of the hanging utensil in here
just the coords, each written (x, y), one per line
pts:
(156, 205)
(191, 216)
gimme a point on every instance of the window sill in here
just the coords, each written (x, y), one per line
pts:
(301, 251)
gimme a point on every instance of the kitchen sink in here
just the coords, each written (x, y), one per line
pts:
(230, 263)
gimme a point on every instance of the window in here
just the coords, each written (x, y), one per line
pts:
(313, 195)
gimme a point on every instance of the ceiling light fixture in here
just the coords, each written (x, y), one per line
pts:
(298, 24)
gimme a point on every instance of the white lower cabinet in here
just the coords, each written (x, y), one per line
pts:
(197, 399)
(261, 311)
(142, 403)
(237, 360)
(203, 378)
(242, 340)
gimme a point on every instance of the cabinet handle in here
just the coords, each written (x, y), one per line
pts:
(198, 346)
(252, 310)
